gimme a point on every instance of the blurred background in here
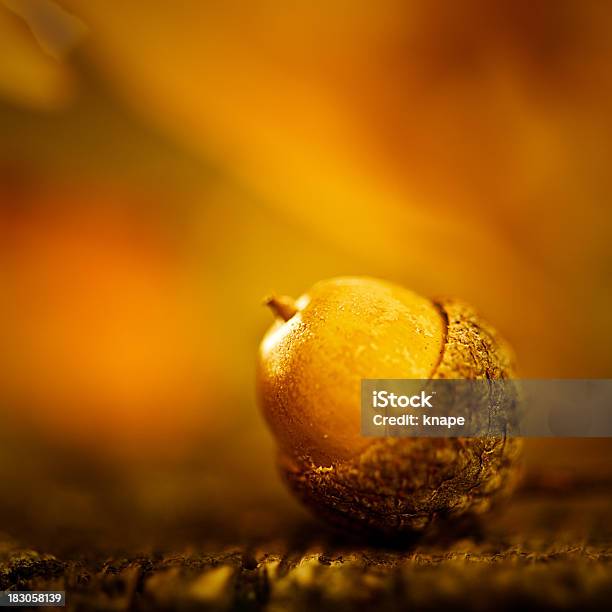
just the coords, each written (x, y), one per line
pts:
(164, 166)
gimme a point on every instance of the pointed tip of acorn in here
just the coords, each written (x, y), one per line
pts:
(282, 306)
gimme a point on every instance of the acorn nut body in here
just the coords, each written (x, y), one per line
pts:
(311, 363)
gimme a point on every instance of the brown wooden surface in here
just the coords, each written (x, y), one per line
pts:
(549, 548)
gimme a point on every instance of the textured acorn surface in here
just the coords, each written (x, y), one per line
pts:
(396, 485)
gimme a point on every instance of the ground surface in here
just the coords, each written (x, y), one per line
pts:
(549, 548)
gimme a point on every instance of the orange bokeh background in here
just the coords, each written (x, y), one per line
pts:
(163, 166)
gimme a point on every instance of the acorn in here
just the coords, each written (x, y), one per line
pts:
(310, 367)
